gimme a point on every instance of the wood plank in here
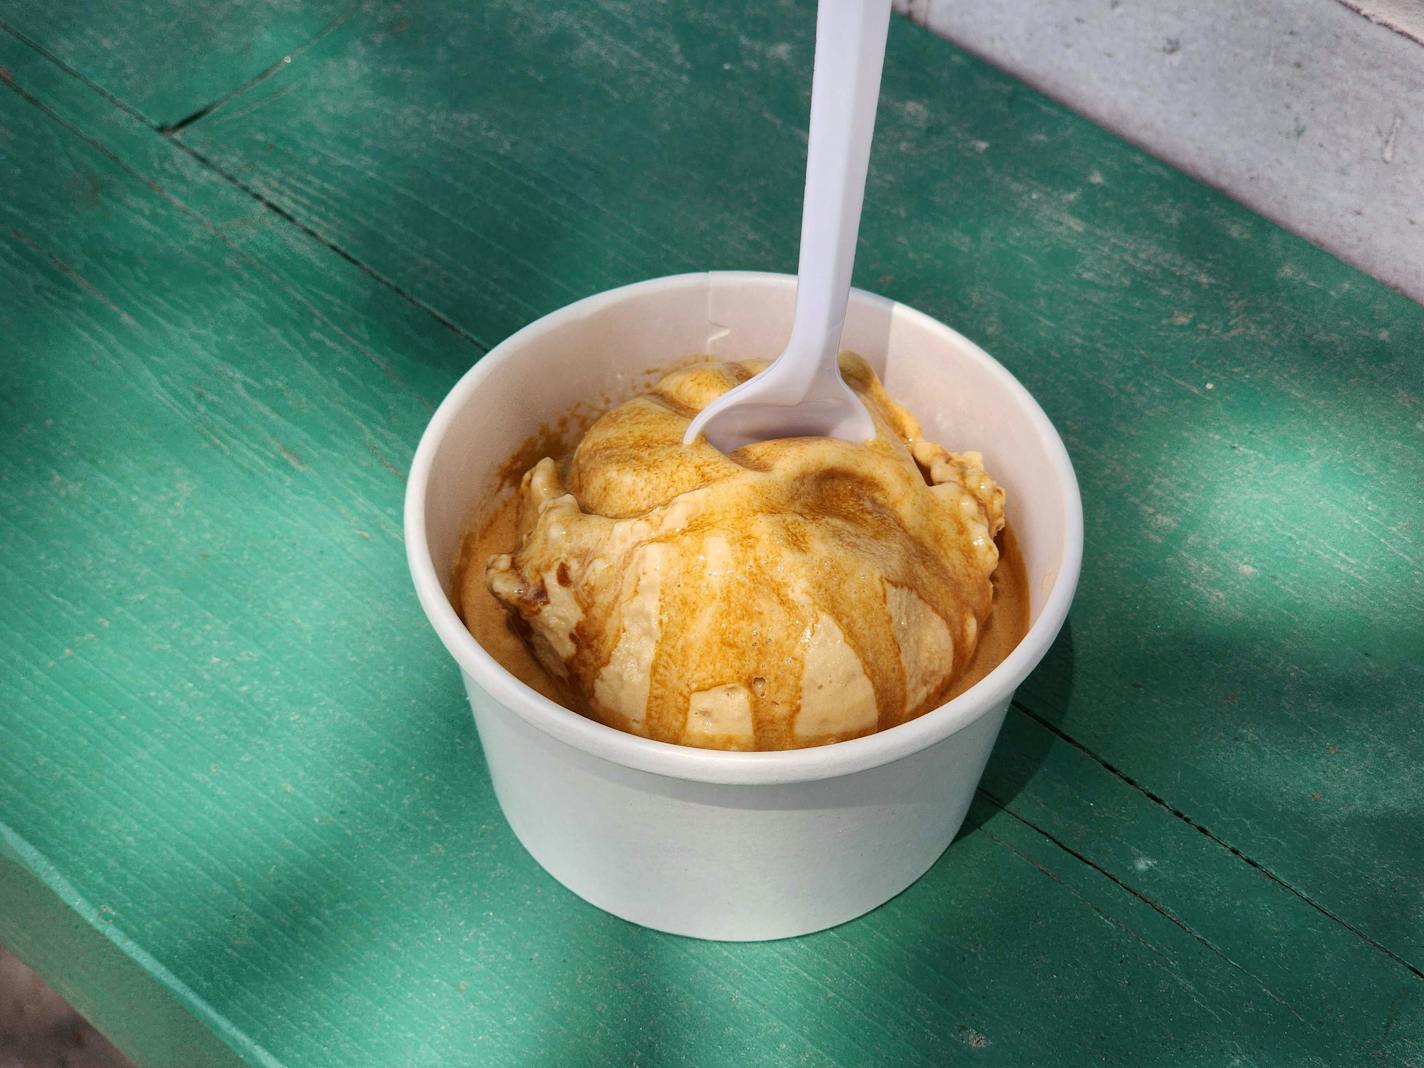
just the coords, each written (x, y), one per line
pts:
(1301, 958)
(102, 975)
(1244, 410)
(252, 762)
(169, 61)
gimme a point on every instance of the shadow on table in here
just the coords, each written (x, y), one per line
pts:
(1023, 744)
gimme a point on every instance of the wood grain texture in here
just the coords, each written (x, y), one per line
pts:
(232, 745)
(1244, 410)
(169, 61)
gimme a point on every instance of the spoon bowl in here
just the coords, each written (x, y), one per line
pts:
(776, 405)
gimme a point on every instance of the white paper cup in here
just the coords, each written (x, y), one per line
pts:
(737, 846)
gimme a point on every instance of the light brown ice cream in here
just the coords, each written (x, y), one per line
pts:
(794, 593)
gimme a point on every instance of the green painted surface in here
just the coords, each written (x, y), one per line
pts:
(1245, 411)
(244, 804)
(168, 61)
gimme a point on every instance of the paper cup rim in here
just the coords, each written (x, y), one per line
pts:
(710, 765)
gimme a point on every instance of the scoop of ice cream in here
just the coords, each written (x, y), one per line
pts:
(792, 593)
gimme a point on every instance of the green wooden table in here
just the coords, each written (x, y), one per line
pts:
(245, 249)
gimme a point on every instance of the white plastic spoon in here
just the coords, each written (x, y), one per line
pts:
(802, 393)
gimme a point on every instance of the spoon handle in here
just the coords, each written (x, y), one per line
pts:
(845, 88)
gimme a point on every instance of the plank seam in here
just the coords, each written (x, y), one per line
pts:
(200, 113)
(1206, 832)
(168, 129)
(286, 216)
(1151, 903)
(152, 184)
(77, 75)
(1136, 935)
